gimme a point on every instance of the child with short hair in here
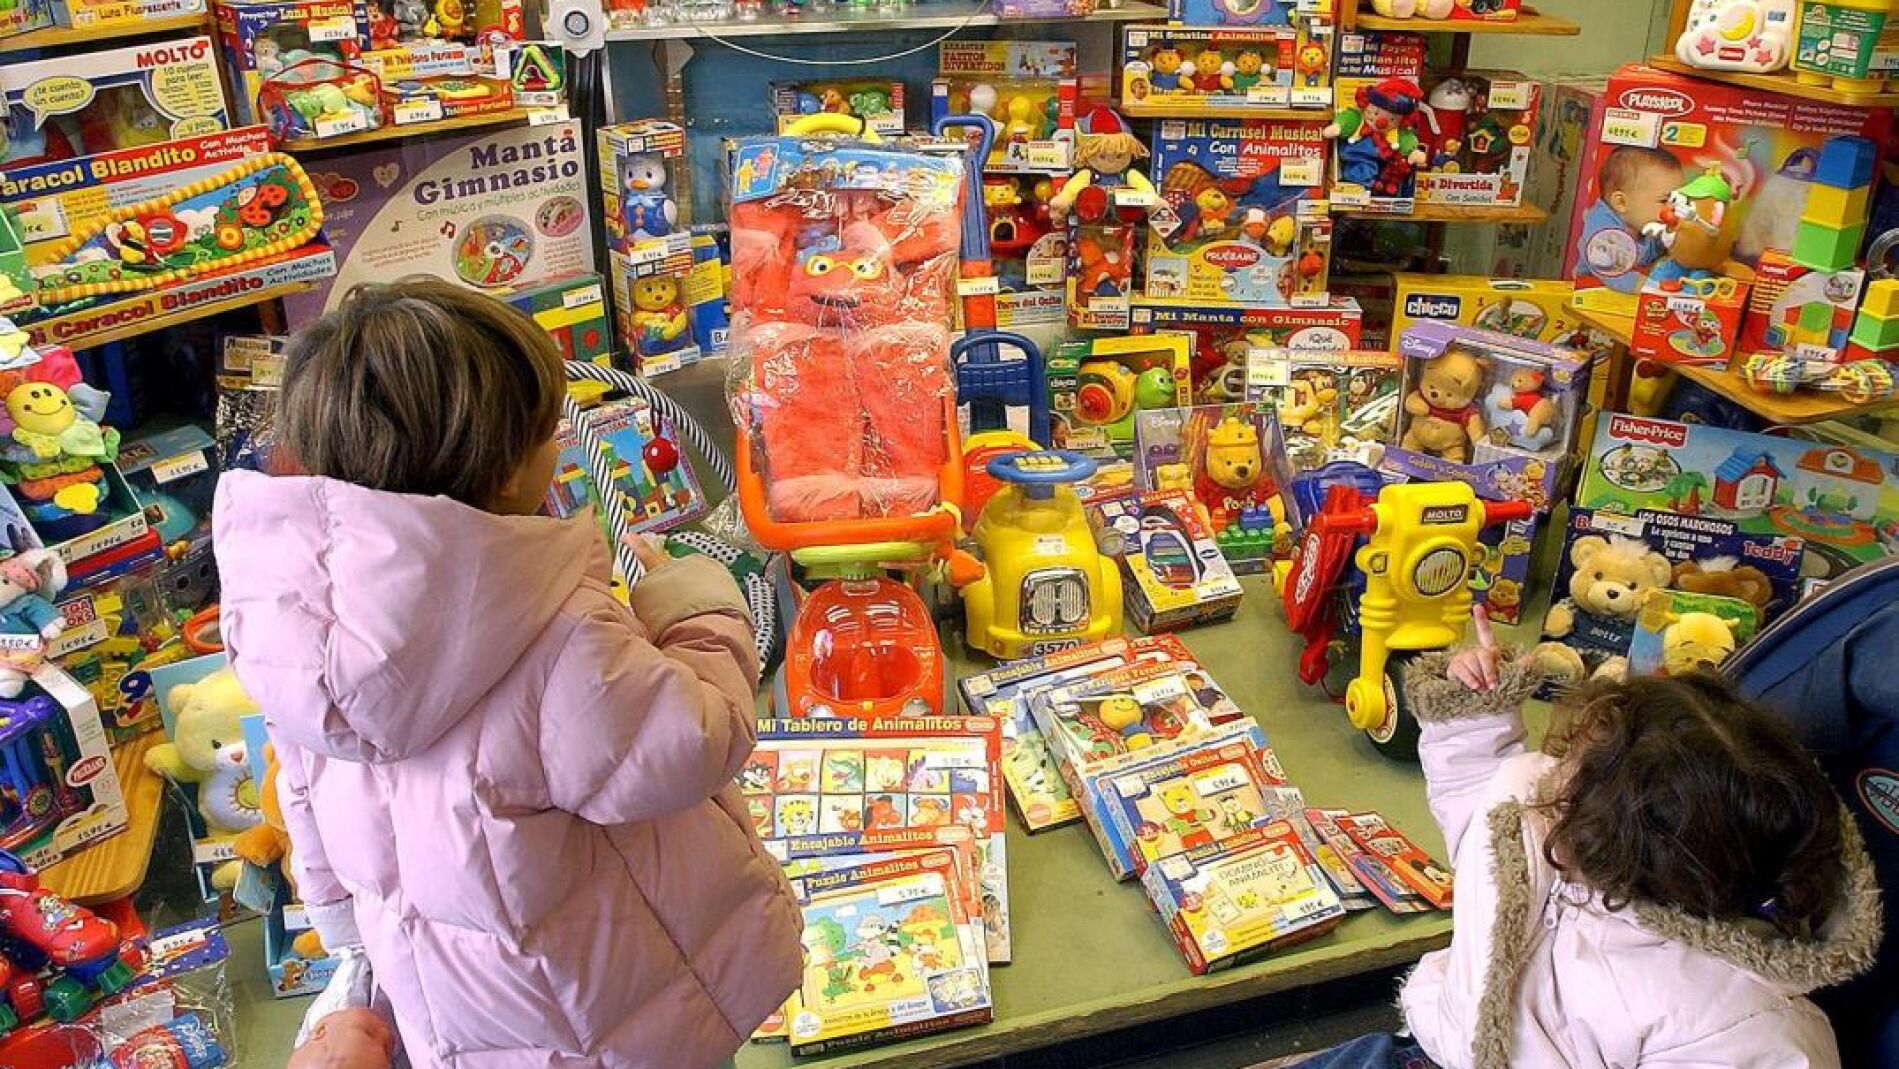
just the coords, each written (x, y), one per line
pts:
(1662, 885)
(1631, 189)
(512, 791)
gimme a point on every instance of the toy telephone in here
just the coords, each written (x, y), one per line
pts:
(1737, 35)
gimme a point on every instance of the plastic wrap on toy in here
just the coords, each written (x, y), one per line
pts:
(180, 1011)
(843, 258)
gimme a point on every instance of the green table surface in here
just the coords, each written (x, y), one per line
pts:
(1091, 955)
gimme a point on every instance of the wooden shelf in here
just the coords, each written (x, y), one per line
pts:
(1451, 213)
(1529, 22)
(1805, 406)
(1148, 111)
(116, 867)
(948, 15)
(393, 132)
(1782, 82)
(100, 35)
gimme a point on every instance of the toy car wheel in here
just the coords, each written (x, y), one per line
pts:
(67, 1000)
(1397, 736)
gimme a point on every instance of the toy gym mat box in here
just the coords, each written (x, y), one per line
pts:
(1242, 215)
(1225, 334)
(1538, 309)
(1842, 501)
(1095, 387)
(1184, 71)
(1177, 576)
(1240, 897)
(263, 37)
(1028, 88)
(1658, 130)
(68, 792)
(118, 99)
(488, 210)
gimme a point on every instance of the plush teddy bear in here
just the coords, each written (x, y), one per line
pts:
(207, 749)
(1444, 419)
(1521, 412)
(1728, 578)
(1694, 640)
(1611, 577)
(28, 584)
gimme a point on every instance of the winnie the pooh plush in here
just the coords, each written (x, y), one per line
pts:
(1444, 417)
(1232, 472)
(207, 750)
(1610, 578)
(268, 843)
(1521, 410)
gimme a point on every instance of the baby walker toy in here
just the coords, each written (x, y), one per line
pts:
(1046, 586)
(1414, 546)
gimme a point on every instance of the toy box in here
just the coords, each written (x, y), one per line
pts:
(1242, 216)
(499, 208)
(1096, 386)
(1041, 797)
(1700, 554)
(652, 289)
(291, 974)
(1538, 309)
(649, 460)
(62, 791)
(1121, 840)
(117, 631)
(708, 289)
(1497, 412)
(1331, 406)
(1177, 576)
(25, 18)
(1372, 873)
(1850, 46)
(1224, 336)
(1400, 856)
(1258, 891)
(174, 473)
(1657, 130)
(263, 39)
(1198, 796)
(1502, 583)
(119, 15)
(1843, 501)
(1183, 71)
(1689, 326)
(876, 101)
(1540, 250)
(1794, 309)
(1479, 135)
(573, 311)
(114, 100)
(1231, 459)
(891, 950)
(640, 170)
(1029, 252)
(1027, 88)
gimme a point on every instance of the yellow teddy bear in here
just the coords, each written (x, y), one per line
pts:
(207, 750)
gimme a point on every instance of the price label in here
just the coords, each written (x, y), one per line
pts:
(581, 297)
(426, 109)
(340, 124)
(340, 28)
(1268, 368)
(1306, 171)
(267, 370)
(978, 287)
(548, 116)
(176, 468)
(1626, 126)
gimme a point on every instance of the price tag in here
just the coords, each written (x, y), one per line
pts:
(1267, 368)
(548, 116)
(978, 287)
(424, 109)
(339, 28)
(267, 370)
(295, 918)
(212, 853)
(1305, 171)
(1625, 126)
(338, 125)
(580, 297)
(176, 468)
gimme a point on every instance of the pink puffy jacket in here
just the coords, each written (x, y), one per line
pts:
(523, 789)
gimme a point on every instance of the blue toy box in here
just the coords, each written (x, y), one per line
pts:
(1242, 217)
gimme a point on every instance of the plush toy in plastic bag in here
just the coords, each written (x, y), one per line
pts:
(844, 259)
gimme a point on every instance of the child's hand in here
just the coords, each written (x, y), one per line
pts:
(648, 552)
(1478, 667)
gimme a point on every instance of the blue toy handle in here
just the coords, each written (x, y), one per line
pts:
(975, 216)
(1048, 468)
(988, 384)
(10, 862)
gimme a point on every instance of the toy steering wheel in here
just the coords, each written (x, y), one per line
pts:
(1041, 471)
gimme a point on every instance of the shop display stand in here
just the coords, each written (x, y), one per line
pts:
(116, 867)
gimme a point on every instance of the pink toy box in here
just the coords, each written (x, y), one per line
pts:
(1656, 130)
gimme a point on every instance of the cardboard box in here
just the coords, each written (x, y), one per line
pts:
(80, 802)
(1096, 386)
(121, 16)
(1688, 326)
(573, 311)
(1242, 217)
(1330, 406)
(1176, 575)
(641, 164)
(108, 101)
(1241, 897)
(25, 18)
(1562, 132)
(263, 37)
(1538, 309)
(497, 208)
(1029, 89)
(1782, 293)
(1225, 335)
(1650, 117)
(651, 283)
(1184, 71)
(876, 101)
(1232, 460)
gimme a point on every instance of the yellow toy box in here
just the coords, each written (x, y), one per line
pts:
(1256, 891)
(117, 14)
(1538, 309)
(1098, 385)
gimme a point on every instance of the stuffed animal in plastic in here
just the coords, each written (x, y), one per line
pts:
(1726, 577)
(1444, 418)
(841, 301)
(53, 446)
(29, 582)
(1520, 410)
(206, 749)
(1611, 579)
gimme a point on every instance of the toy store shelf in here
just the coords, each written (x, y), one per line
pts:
(1147, 111)
(55, 36)
(403, 133)
(1453, 213)
(1782, 82)
(115, 868)
(1090, 956)
(1529, 21)
(1617, 326)
(133, 327)
(948, 15)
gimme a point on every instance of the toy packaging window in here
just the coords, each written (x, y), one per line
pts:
(122, 98)
(201, 703)
(1225, 337)
(1027, 88)
(1242, 215)
(1097, 387)
(1182, 70)
(1331, 406)
(843, 262)
(1232, 460)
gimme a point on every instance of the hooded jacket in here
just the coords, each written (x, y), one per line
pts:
(522, 790)
(1540, 975)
